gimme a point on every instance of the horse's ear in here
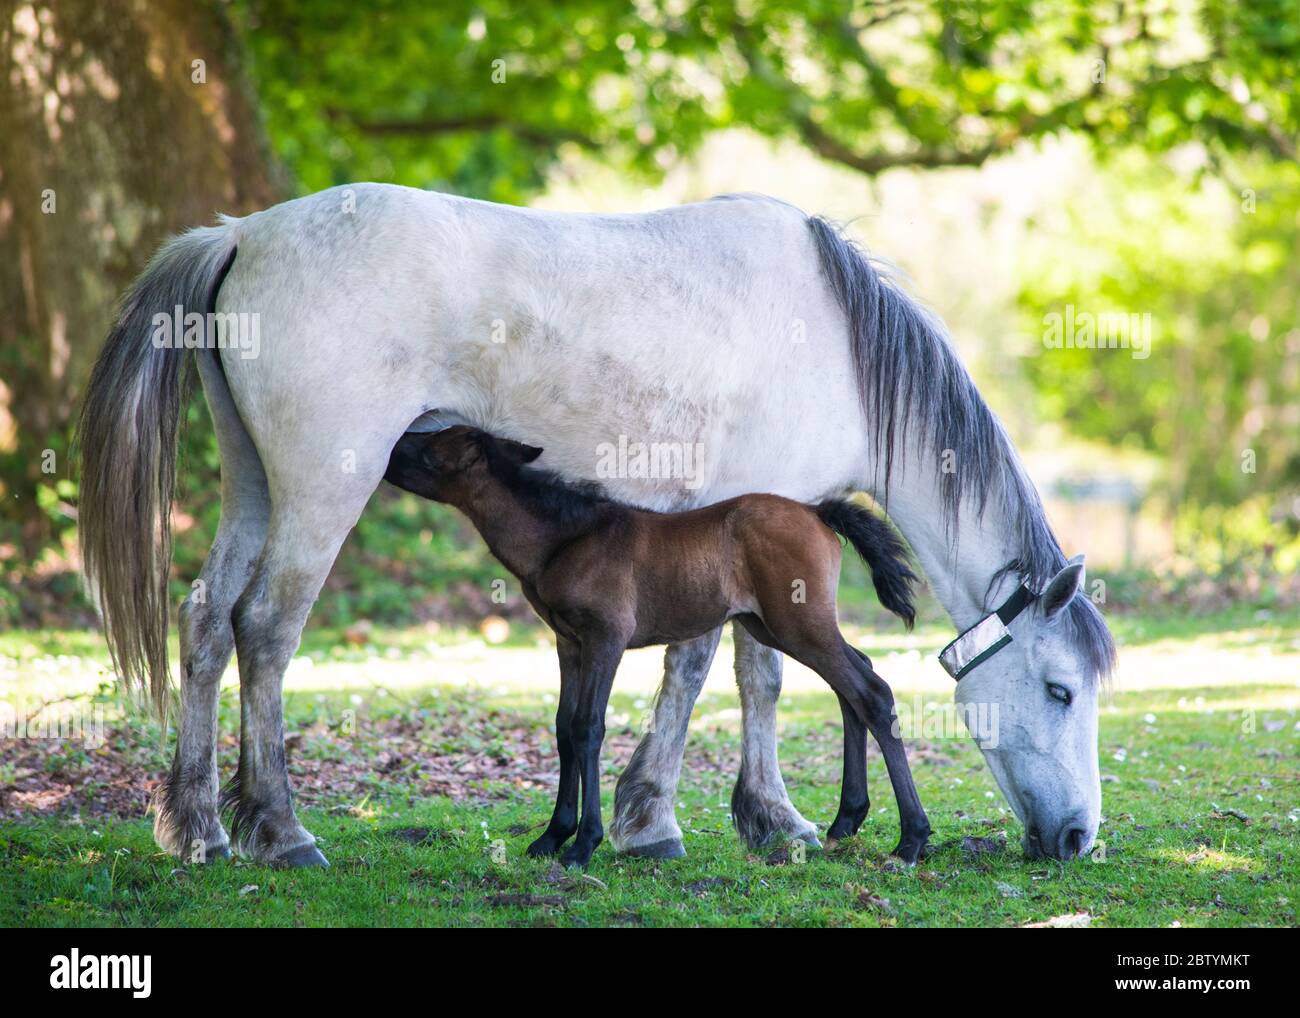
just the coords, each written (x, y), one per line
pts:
(1064, 585)
(517, 452)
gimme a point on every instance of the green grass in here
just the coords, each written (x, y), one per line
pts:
(1175, 758)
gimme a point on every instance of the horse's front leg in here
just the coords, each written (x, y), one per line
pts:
(760, 805)
(564, 820)
(645, 821)
(600, 657)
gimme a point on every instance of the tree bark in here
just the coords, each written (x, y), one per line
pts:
(120, 123)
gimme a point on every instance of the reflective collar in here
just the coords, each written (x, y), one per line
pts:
(984, 639)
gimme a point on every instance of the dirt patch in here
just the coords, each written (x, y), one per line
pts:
(457, 756)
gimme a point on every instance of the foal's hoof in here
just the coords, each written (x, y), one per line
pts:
(303, 855)
(910, 850)
(220, 852)
(577, 857)
(669, 848)
(545, 847)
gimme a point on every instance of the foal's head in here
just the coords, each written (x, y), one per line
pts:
(442, 465)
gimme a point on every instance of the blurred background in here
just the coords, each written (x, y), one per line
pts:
(1020, 162)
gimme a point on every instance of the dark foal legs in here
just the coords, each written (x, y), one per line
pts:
(564, 820)
(878, 713)
(854, 801)
(812, 640)
(600, 658)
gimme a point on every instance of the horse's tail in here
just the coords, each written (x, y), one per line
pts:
(126, 438)
(881, 549)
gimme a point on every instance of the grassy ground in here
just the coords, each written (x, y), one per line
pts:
(424, 764)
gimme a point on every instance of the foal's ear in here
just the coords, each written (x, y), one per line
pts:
(1064, 585)
(517, 452)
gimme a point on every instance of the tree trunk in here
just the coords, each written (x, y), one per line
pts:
(120, 123)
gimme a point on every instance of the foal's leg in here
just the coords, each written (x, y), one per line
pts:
(855, 804)
(564, 820)
(854, 801)
(645, 821)
(600, 658)
(878, 703)
(186, 819)
(849, 673)
(810, 634)
(760, 805)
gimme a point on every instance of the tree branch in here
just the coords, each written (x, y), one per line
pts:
(543, 137)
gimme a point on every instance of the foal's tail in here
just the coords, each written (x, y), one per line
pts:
(127, 436)
(882, 550)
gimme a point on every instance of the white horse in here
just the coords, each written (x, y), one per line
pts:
(738, 327)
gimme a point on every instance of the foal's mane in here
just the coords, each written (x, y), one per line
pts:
(567, 504)
(910, 377)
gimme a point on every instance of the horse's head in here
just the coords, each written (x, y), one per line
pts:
(1031, 703)
(438, 464)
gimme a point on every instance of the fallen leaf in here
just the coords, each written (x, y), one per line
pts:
(1062, 922)
(701, 887)
(869, 902)
(526, 900)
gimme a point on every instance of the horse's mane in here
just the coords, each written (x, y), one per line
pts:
(910, 377)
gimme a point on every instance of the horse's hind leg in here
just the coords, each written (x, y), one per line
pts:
(308, 525)
(186, 819)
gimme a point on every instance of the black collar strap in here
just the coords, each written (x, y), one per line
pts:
(984, 639)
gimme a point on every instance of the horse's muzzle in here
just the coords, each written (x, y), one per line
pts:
(1069, 840)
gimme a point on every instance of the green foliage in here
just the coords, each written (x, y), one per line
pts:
(479, 96)
(1216, 392)
(486, 97)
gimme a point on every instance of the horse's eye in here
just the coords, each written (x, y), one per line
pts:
(1059, 693)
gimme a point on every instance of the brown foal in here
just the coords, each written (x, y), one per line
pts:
(606, 576)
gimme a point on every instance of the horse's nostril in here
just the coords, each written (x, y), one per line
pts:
(1072, 842)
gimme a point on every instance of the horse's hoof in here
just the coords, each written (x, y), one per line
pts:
(810, 839)
(669, 848)
(303, 855)
(220, 852)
